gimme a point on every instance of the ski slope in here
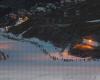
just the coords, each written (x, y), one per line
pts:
(27, 61)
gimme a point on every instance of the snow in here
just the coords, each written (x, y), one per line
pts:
(21, 20)
(27, 61)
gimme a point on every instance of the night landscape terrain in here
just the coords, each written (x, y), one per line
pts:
(49, 39)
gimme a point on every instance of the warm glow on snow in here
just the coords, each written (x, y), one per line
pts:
(4, 46)
(65, 54)
(83, 47)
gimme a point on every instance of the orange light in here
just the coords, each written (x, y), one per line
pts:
(83, 47)
(90, 41)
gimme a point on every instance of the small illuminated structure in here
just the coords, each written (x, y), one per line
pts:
(87, 44)
(91, 42)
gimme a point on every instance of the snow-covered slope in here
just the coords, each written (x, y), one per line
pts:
(27, 61)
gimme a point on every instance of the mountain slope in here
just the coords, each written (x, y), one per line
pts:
(27, 61)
